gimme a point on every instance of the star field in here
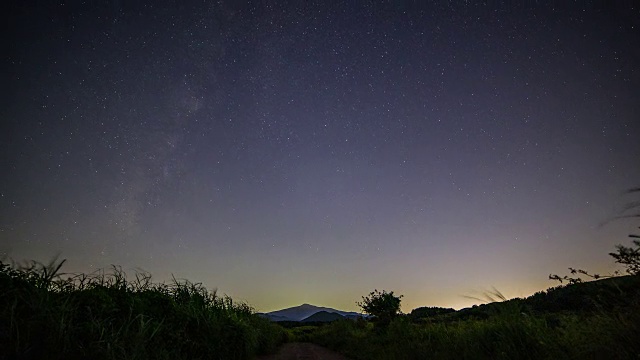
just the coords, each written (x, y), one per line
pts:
(310, 153)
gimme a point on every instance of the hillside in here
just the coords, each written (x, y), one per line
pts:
(584, 297)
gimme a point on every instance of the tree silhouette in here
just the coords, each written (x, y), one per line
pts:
(383, 306)
(627, 256)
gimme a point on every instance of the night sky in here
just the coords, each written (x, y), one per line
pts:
(289, 154)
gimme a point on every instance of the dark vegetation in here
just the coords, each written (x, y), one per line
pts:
(591, 320)
(47, 315)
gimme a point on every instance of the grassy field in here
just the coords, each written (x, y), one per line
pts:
(595, 320)
(45, 315)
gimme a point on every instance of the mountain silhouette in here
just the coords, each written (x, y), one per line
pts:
(304, 311)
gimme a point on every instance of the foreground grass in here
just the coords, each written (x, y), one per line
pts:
(607, 328)
(44, 314)
(106, 316)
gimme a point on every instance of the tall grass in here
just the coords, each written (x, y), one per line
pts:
(47, 314)
(597, 337)
(507, 330)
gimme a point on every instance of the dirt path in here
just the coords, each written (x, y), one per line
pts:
(303, 351)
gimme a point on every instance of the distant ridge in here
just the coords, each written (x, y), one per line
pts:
(304, 311)
(324, 316)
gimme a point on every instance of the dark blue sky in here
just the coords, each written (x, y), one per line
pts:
(306, 153)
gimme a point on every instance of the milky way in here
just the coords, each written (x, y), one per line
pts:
(291, 154)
